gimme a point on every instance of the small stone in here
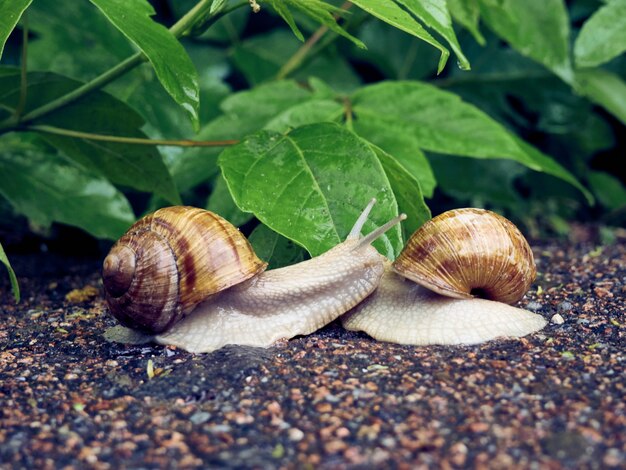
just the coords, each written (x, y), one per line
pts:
(565, 306)
(274, 408)
(332, 398)
(534, 306)
(479, 427)
(557, 319)
(295, 434)
(334, 446)
(612, 458)
(388, 442)
(200, 417)
(602, 292)
(77, 296)
(458, 454)
(323, 408)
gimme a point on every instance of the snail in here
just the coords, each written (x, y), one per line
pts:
(184, 276)
(452, 284)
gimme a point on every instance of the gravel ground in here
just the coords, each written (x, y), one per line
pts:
(555, 399)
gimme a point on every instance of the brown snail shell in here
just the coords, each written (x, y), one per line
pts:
(170, 261)
(469, 252)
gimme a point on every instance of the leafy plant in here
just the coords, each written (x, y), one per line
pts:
(274, 114)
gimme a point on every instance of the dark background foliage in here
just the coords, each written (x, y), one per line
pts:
(574, 114)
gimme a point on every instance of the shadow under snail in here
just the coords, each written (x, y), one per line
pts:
(431, 293)
(186, 277)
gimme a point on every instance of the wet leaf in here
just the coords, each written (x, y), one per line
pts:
(15, 288)
(604, 88)
(608, 189)
(275, 249)
(311, 184)
(393, 14)
(435, 15)
(10, 13)
(321, 12)
(407, 191)
(47, 188)
(538, 29)
(171, 63)
(221, 202)
(467, 13)
(79, 24)
(135, 166)
(603, 36)
(441, 122)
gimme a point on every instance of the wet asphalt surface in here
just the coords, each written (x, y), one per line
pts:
(334, 399)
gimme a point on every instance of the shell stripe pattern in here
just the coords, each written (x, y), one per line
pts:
(211, 255)
(469, 252)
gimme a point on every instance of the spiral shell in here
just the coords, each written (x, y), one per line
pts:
(469, 252)
(170, 261)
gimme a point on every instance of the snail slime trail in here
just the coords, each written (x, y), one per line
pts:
(428, 295)
(262, 308)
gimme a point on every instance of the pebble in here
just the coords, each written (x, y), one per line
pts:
(295, 434)
(330, 400)
(557, 319)
(565, 306)
(613, 458)
(200, 417)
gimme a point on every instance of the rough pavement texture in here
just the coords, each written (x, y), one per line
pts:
(556, 399)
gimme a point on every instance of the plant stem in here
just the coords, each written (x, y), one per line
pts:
(348, 114)
(129, 140)
(298, 57)
(187, 21)
(96, 83)
(178, 29)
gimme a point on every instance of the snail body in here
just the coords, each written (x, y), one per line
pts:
(266, 305)
(430, 295)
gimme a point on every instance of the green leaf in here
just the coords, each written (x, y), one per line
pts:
(275, 249)
(604, 88)
(308, 112)
(321, 12)
(47, 188)
(164, 118)
(442, 123)
(397, 55)
(407, 191)
(391, 13)
(405, 148)
(261, 57)
(603, 36)
(281, 8)
(435, 15)
(472, 181)
(136, 166)
(10, 13)
(551, 167)
(221, 202)
(15, 288)
(310, 185)
(538, 29)
(467, 13)
(244, 113)
(217, 6)
(62, 33)
(610, 191)
(171, 63)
